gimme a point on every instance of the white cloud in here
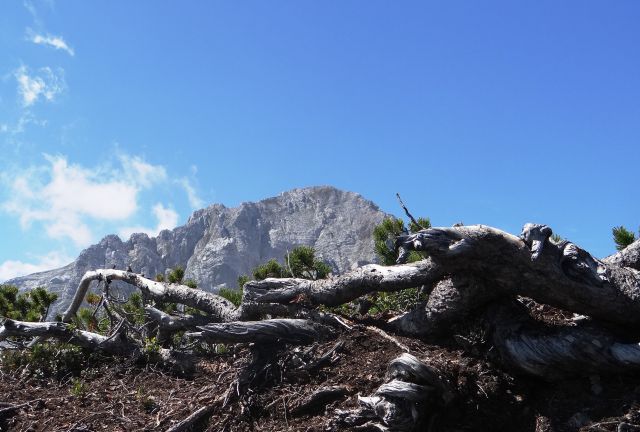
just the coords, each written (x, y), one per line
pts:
(194, 199)
(63, 196)
(56, 42)
(141, 172)
(167, 219)
(26, 118)
(13, 268)
(45, 84)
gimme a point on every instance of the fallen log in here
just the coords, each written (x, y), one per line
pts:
(117, 344)
(486, 264)
(294, 331)
(558, 352)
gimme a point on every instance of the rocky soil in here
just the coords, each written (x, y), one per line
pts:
(116, 395)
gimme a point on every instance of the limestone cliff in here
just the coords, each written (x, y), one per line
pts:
(217, 244)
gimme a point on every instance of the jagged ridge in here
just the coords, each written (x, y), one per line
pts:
(217, 244)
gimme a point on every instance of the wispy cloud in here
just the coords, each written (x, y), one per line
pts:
(64, 197)
(166, 218)
(140, 172)
(44, 84)
(31, 8)
(26, 118)
(56, 42)
(192, 195)
(13, 268)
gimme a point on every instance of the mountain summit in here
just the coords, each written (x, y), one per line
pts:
(218, 244)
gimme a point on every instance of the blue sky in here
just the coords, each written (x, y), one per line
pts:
(120, 116)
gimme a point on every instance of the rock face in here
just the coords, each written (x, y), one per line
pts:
(218, 244)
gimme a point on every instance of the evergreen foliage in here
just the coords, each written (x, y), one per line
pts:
(28, 306)
(134, 308)
(176, 275)
(622, 237)
(384, 236)
(301, 262)
(46, 360)
(271, 268)
(235, 295)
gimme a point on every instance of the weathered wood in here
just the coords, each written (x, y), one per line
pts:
(166, 324)
(403, 403)
(338, 290)
(295, 331)
(117, 344)
(561, 275)
(319, 399)
(399, 405)
(192, 419)
(583, 348)
(9, 410)
(218, 307)
(449, 302)
(409, 368)
(627, 257)
(326, 358)
(498, 264)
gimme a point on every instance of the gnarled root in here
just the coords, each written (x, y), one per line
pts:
(405, 402)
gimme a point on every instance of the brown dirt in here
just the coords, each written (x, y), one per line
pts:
(117, 396)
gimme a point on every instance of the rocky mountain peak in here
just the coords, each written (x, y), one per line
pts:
(218, 243)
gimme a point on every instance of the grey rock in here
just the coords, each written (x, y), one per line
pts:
(218, 244)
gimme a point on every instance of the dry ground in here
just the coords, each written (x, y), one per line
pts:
(119, 396)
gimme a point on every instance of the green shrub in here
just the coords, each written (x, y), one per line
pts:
(147, 402)
(176, 275)
(622, 237)
(151, 349)
(78, 388)
(233, 295)
(385, 234)
(400, 301)
(28, 306)
(135, 308)
(271, 269)
(87, 319)
(190, 283)
(47, 360)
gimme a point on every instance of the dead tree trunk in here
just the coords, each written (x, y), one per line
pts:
(487, 264)
(218, 307)
(469, 269)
